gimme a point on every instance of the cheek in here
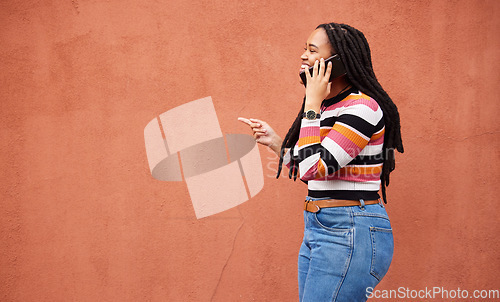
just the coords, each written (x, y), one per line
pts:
(326, 54)
(314, 57)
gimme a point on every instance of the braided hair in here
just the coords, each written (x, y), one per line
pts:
(354, 51)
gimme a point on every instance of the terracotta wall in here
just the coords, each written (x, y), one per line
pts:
(82, 219)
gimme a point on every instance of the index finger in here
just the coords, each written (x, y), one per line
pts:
(244, 120)
(256, 121)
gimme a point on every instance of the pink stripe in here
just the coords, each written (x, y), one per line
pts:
(309, 131)
(335, 106)
(378, 141)
(349, 147)
(367, 177)
(371, 103)
(311, 173)
(368, 101)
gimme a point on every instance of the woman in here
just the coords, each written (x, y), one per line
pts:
(342, 145)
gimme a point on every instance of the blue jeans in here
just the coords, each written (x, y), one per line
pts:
(344, 251)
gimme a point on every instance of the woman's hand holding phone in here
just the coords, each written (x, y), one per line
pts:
(263, 133)
(318, 85)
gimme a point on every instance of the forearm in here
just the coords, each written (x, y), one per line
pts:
(276, 145)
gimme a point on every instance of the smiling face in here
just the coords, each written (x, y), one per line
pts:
(317, 46)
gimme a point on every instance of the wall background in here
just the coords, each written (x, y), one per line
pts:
(81, 218)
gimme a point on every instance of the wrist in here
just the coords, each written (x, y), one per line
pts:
(313, 101)
(276, 145)
(314, 106)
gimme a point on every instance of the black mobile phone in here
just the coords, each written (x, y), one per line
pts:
(338, 69)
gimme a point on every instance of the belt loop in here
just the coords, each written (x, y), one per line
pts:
(362, 206)
(380, 202)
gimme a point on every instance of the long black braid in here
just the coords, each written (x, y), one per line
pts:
(354, 51)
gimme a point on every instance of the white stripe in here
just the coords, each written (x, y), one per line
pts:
(334, 112)
(371, 150)
(330, 113)
(307, 163)
(286, 157)
(310, 123)
(342, 157)
(365, 166)
(337, 184)
(364, 112)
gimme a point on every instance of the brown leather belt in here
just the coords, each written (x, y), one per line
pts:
(315, 205)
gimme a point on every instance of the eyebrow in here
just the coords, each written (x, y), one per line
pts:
(312, 45)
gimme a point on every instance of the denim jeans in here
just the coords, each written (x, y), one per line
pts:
(344, 251)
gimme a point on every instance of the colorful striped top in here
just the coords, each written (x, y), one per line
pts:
(340, 154)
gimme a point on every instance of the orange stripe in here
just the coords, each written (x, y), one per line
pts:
(321, 170)
(378, 135)
(309, 140)
(324, 132)
(359, 170)
(357, 97)
(351, 135)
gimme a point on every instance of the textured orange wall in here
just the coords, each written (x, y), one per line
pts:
(82, 219)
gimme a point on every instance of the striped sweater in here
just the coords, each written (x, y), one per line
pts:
(340, 154)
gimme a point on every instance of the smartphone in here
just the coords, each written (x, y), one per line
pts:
(338, 69)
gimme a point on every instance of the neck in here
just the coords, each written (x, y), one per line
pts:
(338, 86)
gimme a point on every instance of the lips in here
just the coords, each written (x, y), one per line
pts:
(304, 67)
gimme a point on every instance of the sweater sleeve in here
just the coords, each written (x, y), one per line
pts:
(287, 158)
(351, 132)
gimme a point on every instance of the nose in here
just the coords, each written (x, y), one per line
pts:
(304, 56)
